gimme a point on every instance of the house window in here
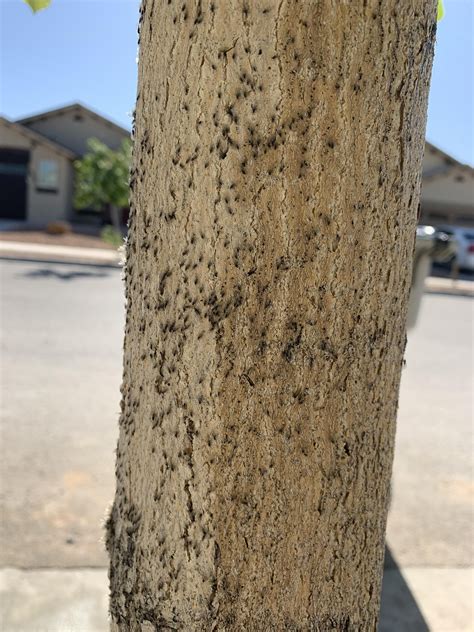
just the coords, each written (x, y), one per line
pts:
(47, 176)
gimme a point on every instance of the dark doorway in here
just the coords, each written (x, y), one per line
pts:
(13, 183)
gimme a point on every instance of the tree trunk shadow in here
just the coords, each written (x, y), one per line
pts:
(399, 610)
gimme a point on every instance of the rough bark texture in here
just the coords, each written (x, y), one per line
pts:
(276, 177)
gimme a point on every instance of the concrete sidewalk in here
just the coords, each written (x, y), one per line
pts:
(58, 254)
(417, 600)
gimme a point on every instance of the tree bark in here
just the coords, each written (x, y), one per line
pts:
(276, 178)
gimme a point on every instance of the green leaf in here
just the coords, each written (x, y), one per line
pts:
(37, 5)
(440, 10)
(102, 176)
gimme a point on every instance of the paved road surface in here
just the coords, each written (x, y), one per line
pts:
(431, 517)
(61, 368)
(61, 371)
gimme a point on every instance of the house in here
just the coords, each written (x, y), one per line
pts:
(37, 161)
(447, 195)
(37, 173)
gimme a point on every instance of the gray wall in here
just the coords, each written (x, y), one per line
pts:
(42, 207)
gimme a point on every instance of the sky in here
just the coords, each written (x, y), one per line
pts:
(85, 50)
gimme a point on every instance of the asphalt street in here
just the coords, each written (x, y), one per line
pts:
(431, 516)
(61, 369)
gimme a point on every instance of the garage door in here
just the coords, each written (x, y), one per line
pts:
(13, 183)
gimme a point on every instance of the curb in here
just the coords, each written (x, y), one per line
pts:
(456, 287)
(44, 253)
(413, 598)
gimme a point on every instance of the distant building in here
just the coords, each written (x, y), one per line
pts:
(37, 172)
(447, 195)
(37, 161)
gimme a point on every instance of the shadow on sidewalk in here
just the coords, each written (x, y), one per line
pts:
(41, 273)
(399, 610)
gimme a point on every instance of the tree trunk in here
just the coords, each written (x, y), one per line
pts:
(276, 178)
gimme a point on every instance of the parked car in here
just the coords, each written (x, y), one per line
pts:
(464, 237)
(432, 246)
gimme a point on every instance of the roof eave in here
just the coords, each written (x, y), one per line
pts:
(73, 106)
(39, 138)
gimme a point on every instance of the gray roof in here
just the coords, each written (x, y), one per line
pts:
(39, 138)
(79, 107)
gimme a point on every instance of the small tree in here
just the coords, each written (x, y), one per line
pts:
(102, 178)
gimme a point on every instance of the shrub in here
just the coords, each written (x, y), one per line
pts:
(111, 236)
